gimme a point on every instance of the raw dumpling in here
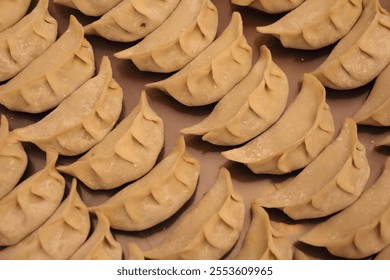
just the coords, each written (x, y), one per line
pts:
(301, 133)
(127, 153)
(362, 54)
(269, 6)
(262, 241)
(209, 230)
(11, 11)
(59, 237)
(26, 40)
(90, 7)
(385, 141)
(384, 254)
(80, 121)
(13, 159)
(101, 245)
(249, 108)
(330, 183)
(315, 23)
(214, 72)
(156, 196)
(131, 20)
(360, 230)
(54, 75)
(376, 109)
(31, 202)
(190, 28)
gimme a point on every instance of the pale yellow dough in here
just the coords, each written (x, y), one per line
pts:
(269, 6)
(384, 141)
(90, 7)
(11, 11)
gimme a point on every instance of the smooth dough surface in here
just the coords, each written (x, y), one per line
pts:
(19, 9)
(269, 6)
(90, 7)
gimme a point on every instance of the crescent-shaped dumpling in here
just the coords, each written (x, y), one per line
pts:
(330, 183)
(210, 229)
(214, 72)
(26, 40)
(190, 28)
(59, 237)
(127, 153)
(90, 7)
(81, 120)
(376, 109)
(315, 23)
(360, 230)
(131, 20)
(11, 11)
(13, 159)
(156, 196)
(249, 108)
(101, 245)
(300, 134)
(269, 6)
(262, 242)
(362, 54)
(53, 76)
(31, 202)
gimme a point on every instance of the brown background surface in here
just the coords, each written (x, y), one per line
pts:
(176, 116)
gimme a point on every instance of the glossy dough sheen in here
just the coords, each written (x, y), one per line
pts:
(59, 237)
(269, 6)
(300, 134)
(360, 230)
(26, 40)
(315, 23)
(80, 121)
(214, 72)
(8, 18)
(362, 54)
(131, 20)
(330, 183)
(190, 28)
(53, 76)
(90, 7)
(13, 159)
(155, 197)
(127, 153)
(249, 108)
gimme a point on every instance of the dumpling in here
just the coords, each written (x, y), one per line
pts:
(376, 109)
(249, 108)
(385, 141)
(59, 237)
(269, 6)
(90, 7)
(127, 153)
(262, 241)
(362, 54)
(190, 28)
(26, 40)
(383, 254)
(11, 11)
(300, 134)
(31, 202)
(81, 120)
(156, 196)
(214, 72)
(13, 159)
(101, 245)
(330, 183)
(131, 20)
(360, 230)
(53, 76)
(210, 229)
(315, 23)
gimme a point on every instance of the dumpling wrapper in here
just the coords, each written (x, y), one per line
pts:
(81, 120)
(269, 6)
(90, 7)
(11, 11)
(330, 183)
(190, 28)
(52, 76)
(301, 133)
(249, 108)
(131, 20)
(384, 142)
(156, 196)
(26, 40)
(383, 254)
(214, 72)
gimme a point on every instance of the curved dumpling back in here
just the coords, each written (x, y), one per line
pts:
(90, 7)
(11, 11)
(269, 6)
